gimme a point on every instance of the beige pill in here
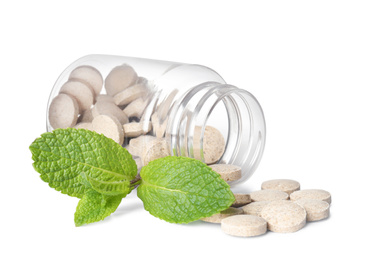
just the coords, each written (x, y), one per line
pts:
(136, 129)
(158, 125)
(228, 172)
(86, 116)
(213, 144)
(217, 218)
(244, 225)
(137, 145)
(268, 195)
(156, 148)
(316, 209)
(84, 125)
(109, 126)
(63, 111)
(314, 194)
(108, 108)
(241, 199)
(285, 185)
(139, 163)
(284, 216)
(120, 78)
(104, 98)
(136, 108)
(90, 76)
(80, 91)
(130, 94)
(254, 208)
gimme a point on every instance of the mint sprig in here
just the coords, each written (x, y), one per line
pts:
(94, 168)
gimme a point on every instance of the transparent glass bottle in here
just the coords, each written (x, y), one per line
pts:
(183, 99)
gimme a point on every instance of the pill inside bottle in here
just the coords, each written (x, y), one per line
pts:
(180, 109)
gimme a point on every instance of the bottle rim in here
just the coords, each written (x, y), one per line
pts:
(246, 136)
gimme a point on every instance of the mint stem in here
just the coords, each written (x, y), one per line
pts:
(136, 181)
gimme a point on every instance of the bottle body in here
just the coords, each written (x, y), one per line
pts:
(189, 109)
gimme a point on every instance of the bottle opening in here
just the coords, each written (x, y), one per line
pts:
(234, 112)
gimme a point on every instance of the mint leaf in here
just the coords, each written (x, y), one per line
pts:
(94, 207)
(62, 155)
(118, 186)
(181, 190)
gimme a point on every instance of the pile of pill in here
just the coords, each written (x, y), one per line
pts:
(280, 206)
(120, 115)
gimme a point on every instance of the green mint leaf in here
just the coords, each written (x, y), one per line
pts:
(181, 190)
(94, 207)
(62, 155)
(119, 185)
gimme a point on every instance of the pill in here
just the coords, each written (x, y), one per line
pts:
(63, 111)
(84, 125)
(136, 129)
(316, 209)
(80, 91)
(217, 218)
(241, 199)
(254, 208)
(108, 108)
(213, 144)
(104, 98)
(86, 116)
(158, 125)
(285, 185)
(138, 161)
(130, 94)
(136, 108)
(165, 105)
(120, 78)
(315, 194)
(268, 195)
(155, 149)
(137, 145)
(109, 126)
(228, 172)
(244, 225)
(284, 216)
(88, 75)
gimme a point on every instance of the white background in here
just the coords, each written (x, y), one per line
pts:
(303, 60)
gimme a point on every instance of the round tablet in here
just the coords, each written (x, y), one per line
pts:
(104, 98)
(228, 172)
(136, 108)
(268, 195)
(244, 225)
(128, 95)
(86, 116)
(109, 126)
(285, 185)
(136, 129)
(241, 199)
(316, 209)
(154, 149)
(120, 78)
(63, 111)
(88, 75)
(108, 108)
(217, 218)
(84, 125)
(137, 145)
(311, 194)
(213, 144)
(254, 208)
(284, 216)
(80, 91)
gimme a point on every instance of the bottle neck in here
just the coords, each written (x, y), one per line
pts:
(235, 112)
